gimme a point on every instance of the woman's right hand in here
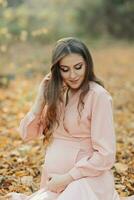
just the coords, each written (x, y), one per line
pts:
(40, 101)
(41, 88)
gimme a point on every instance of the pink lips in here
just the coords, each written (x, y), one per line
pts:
(74, 81)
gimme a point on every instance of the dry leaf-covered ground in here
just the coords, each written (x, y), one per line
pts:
(20, 162)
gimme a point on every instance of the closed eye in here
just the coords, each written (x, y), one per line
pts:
(64, 70)
(77, 67)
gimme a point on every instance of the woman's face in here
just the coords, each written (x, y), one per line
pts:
(72, 69)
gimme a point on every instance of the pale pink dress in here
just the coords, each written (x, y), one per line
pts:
(85, 148)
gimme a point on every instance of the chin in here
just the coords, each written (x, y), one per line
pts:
(75, 87)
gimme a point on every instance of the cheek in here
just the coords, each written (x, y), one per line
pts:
(64, 76)
(82, 72)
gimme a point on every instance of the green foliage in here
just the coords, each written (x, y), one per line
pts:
(14, 3)
(45, 21)
(90, 18)
(41, 21)
(120, 18)
(113, 17)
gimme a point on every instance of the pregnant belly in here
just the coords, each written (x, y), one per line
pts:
(61, 156)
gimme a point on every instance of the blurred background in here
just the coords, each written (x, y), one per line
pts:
(29, 27)
(28, 32)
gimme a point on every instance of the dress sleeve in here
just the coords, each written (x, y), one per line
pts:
(102, 137)
(31, 126)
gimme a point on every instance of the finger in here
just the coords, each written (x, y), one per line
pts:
(53, 190)
(48, 75)
(46, 188)
(50, 176)
(8, 196)
(48, 180)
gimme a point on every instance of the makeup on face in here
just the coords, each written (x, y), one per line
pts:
(72, 68)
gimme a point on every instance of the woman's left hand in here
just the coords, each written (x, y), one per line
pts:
(58, 183)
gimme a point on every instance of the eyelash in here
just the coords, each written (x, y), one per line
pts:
(66, 70)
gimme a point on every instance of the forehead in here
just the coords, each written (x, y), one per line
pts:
(71, 59)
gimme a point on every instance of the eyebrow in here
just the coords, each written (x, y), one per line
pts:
(73, 65)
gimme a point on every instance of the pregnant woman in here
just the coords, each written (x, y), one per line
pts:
(73, 111)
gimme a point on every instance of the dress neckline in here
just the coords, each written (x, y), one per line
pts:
(68, 99)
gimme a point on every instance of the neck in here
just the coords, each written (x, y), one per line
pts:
(72, 91)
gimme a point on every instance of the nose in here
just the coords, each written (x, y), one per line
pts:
(72, 74)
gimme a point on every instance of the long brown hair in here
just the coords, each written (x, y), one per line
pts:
(53, 91)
